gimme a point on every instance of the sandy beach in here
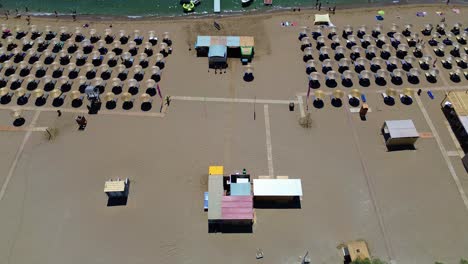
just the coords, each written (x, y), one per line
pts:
(407, 205)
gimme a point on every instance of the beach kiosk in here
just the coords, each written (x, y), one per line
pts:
(219, 48)
(116, 188)
(277, 192)
(399, 133)
(355, 250)
(322, 20)
(217, 57)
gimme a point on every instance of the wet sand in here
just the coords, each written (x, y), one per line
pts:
(405, 204)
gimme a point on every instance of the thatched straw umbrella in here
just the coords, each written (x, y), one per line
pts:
(116, 86)
(127, 101)
(314, 80)
(111, 100)
(336, 98)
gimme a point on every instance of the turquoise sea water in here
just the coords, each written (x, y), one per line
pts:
(166, 7)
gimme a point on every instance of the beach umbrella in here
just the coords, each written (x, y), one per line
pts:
(24, 69)
(361, 31)
(5, 96)
(163, 49)
(377, 30)
(65, 84)
(148, 49)
(316, 32)
(396, 77)
(347, 30)
(143, 60)
(406, 96)
(10, 68)
(90, 71)
(248, 73)
(133, 86)
(57, 70)
(356, 52)
(22, 96)
(314, 78)
(99, 84)
(15, 82)
(361, 61)
(138, 73)
(331, 32)
(339, 53)
(49, 83)
(380, 77)
(324, 53)
(336, 98)
(116, 86)
(167, 39)
(150, 87)
(326, 66)
(455, 75)
(106, 72)
(123, 37)
(402, 51)
(389, 96)
(77, 99)
(41, 97)
(318, 99)
(146, 102)
(160, 62)
(330, 79)
(353, 97)
(152, 38)
(381, 12)
(127, 101)
(343, 65)
(305, 43)
(155, 73)
(31, 83)
(346, 78)
(381, 39)
(111, 101)
(370, 52)
(431, 75)
(447, 62)
(336, 39)
(58, 97)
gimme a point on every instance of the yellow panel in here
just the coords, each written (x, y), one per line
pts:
(459, 100)
(358, 250)
(216, 170)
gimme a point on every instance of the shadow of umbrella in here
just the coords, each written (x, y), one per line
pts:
(318, 99)
(151, 87)
(336, 98)
(406, 97)
(133, 86)
(347, 78)
(116, 86)
(389, 96)
(307, 54)
(77, 99)
(380, 77)
(58, 97)
(106, 72)
(314, 78)
(431, 76)
(22, 96)
(41, 97)
(330, 79)
(354, 98)
(111, 101)
(324, 53)
(311, 67)
(146, 102)
(127, 101)
(248, 73)
(396, 76)
(152, 38)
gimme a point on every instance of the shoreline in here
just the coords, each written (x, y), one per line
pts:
(256, 12)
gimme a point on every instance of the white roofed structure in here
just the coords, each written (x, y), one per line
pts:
(277, 187)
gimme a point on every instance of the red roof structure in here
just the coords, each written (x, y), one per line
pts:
(237, 208)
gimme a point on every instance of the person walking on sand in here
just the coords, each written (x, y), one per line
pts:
(320, 6)
(55, 12)
(168, 100)
(434, 63)
(28, 19)
(6, 15)
(59, 113)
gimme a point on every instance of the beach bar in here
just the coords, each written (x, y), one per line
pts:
(399, 133)
(116, 188)
(277, 192)
(219, 48)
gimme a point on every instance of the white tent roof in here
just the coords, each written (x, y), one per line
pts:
(401, 128)
(114, 186)
(277, 187)
(322, 19)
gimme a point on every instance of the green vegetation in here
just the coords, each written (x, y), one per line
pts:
(369, 261)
